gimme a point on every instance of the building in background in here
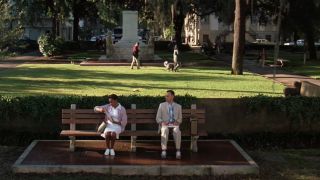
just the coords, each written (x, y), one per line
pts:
(197, 30)
(44, 24)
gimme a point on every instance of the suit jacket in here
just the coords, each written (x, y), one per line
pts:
(163, 114)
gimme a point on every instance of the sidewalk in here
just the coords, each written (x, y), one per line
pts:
(284, 77)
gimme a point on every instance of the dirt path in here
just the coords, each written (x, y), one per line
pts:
(4, 66)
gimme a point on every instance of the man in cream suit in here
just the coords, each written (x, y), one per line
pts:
(169, 116)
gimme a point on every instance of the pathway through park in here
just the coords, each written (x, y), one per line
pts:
(284, 77)
(281, 76)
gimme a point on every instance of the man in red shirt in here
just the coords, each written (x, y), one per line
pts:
(135, 56)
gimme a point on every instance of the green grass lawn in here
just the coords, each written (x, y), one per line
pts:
(74, 79)
(311, 68)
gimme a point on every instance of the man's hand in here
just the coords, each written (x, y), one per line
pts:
(176, 123)
(164, 123)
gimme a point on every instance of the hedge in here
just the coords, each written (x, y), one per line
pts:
(301, 111)
(23, 119)
(43, 113)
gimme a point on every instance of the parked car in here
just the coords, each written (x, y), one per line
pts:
(288, 44)
(300, 42)
(208, 48)
(262, 41)
(93, 39)
(117, 34)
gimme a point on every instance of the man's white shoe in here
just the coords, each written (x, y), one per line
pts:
(178, 155)
(112, 153)
(163, 154)
(107, 152)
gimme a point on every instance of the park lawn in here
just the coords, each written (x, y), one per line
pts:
(68, 79)
(311, 69)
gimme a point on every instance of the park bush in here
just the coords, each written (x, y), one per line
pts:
(50, 46)
(78, 46)
(23, 119)
(43, 113)
(301, 111)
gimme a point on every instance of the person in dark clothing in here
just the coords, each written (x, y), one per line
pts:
(135, 56)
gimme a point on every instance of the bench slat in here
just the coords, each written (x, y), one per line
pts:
(130, 121)
(125, 133)
(130, 111)
(136, 116)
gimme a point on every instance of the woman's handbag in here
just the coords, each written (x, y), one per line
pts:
(101, 127)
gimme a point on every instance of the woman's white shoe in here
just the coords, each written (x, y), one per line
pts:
(107, 152)
(112, 153)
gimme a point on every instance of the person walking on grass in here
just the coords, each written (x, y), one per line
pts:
(135, 56)
(169, 116)
(114, 123)
(175, 55)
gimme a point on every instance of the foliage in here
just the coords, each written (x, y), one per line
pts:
(300, 110)
(169, 32)
(43, 113)
(10, 29)
(50, 46)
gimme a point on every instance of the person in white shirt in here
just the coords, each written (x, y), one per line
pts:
(116, 120)
(169, 116)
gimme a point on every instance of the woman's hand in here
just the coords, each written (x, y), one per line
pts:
(99, 109)
(115, 122)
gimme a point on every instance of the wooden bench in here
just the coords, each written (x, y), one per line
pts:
(73, 117)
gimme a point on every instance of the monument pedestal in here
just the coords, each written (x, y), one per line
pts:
(122, 50)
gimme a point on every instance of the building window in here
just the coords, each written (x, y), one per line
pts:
(205, 38)
(205, 20)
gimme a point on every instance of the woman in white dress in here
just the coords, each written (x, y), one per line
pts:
(116, 120)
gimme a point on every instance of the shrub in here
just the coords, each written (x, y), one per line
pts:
(49, 46)
(43, 113)
(302, 111)
(169, 32)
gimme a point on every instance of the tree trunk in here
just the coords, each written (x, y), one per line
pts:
(239, 37)
(54, 27)
(310, 42)
(178, 20)
(54, 18)
(75, 22)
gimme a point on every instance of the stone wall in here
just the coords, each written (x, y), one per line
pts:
(309, 89)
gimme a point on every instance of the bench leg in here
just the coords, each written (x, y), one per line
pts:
(133, 143)
(72, 143)
(194, 143)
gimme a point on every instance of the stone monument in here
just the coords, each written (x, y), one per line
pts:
(122, 50)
